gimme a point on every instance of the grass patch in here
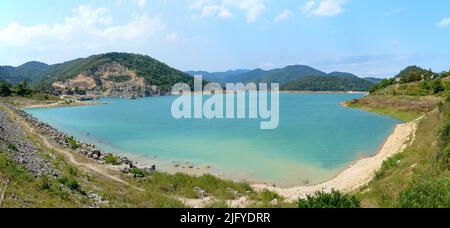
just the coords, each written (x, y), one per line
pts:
(405, 108)
(25, 190)
(183, 185)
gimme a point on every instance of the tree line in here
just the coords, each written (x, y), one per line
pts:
(21, 89)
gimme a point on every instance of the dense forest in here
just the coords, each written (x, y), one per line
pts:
(329, 83)
(295, 77)
(27, 72)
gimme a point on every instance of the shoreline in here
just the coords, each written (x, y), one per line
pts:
(360, 173)
(322, 92)
(63, 104)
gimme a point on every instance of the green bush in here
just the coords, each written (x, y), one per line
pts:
(335, 199)
(71, 183)
(138, 172)
(444, 144)
(22, 89)
(112, 160)
(437, 86)
(73, 143)
(388, 164)
(12, 147)
(5, 89)
(426, 193)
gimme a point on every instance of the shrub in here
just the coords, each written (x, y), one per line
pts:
(426, 193)
(138, 172)
(437, 86)
(112, 160)
(45, 184)
(22, 89)
(5, 89)
(71, 183)
(388, 164)
(12, 147)
(73, 143)
(335, 199)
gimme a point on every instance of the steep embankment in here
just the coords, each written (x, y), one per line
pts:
(112, 74)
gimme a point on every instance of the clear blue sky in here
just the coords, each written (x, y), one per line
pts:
(365, 37)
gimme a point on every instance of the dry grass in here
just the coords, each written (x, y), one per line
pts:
(405, 108)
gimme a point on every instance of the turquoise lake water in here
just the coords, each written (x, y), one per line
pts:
(316, 138)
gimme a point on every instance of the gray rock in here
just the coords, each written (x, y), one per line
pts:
(201, 192)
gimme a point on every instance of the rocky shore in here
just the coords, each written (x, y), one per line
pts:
(15, 143)
(63, 140)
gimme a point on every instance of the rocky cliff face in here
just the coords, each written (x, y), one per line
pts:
(107, 80)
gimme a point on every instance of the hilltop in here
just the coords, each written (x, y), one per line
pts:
(27, 72)
(111, 74)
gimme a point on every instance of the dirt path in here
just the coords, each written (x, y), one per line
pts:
(84, 165)
(88, 166)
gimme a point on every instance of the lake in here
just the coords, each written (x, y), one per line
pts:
(316, 138)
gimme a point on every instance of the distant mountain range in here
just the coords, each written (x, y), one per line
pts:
(133, 75)
(295, 77)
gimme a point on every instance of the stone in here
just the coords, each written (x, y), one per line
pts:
(201, 192)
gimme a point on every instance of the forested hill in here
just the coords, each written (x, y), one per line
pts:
(330, 83)
(27, 72)
(153, 71)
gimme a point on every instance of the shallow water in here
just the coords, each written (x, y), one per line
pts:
(316, 138)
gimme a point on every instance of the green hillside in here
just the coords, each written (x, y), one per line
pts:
(418, 177)
(328, 83)
(27, 72)
(155, 72)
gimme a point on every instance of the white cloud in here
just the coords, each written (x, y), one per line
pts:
(309, 5)
(324, 7)
(444, 23)
(396, 11)
(88, 27)
(140, 3)
(394, 42)
(223, 8)
(216, 10)
(282, 16)
(173, 37)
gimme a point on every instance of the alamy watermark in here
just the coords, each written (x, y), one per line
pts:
(229, 103)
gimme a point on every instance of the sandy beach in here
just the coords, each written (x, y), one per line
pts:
(358, 174)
